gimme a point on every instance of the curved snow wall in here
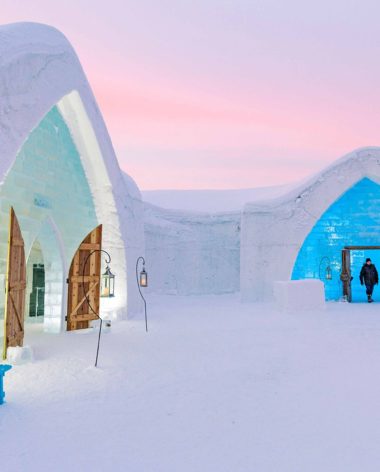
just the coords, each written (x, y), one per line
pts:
(352, 220)
(190, 253)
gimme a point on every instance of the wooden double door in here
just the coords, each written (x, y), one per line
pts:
(83, 284)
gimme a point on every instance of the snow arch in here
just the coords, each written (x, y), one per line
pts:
(273, 231)
(39, 69)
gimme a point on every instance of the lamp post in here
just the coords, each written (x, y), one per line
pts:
(107, 290)
(142, 281)
(328, 271)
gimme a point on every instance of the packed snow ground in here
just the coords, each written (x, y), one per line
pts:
(214, 385)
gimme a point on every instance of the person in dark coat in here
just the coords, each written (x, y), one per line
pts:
(369, 277)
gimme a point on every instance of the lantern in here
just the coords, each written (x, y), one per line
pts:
(143, 278)
(328, 272)
(108, 283)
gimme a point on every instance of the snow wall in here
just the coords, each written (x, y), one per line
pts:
(39, 70)
(192, 253)
(274, 231)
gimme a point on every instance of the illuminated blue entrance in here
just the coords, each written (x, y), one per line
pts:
(353, 220)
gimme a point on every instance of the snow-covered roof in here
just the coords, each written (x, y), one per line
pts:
(217, 201)
(18, 37)
(210, 201)
(354, 162)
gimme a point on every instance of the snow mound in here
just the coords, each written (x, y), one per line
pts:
(302, 295)
(20, 355)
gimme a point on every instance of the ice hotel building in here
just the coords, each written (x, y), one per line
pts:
(63, 197)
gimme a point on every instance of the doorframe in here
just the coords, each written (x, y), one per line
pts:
(62, 253)
(49, 234)
(345, 275)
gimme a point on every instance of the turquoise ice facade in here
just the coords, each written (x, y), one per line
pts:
(352, 220)
(49, 191)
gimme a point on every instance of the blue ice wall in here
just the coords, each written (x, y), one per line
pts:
(353, 220)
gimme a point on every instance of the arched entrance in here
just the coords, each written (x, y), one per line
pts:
(50, 276)
(353, 220)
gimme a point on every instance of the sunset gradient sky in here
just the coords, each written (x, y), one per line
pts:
(225, 93)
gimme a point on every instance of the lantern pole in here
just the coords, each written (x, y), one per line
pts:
(87, 299)
(138, 286)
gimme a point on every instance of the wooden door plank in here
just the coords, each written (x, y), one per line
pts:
(89, 246)
(16, 312)
(84, 299)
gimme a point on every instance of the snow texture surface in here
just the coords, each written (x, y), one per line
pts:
(192, 253)
(213, 386)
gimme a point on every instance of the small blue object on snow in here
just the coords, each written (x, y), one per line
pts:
(3, 368)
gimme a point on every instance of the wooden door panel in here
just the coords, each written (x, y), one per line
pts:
(84, 282)
(15, 287)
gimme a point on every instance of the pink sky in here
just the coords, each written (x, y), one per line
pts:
(222, 94)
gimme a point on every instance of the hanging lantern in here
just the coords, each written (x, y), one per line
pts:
(327, 272)
(108, 283)
(143, 278)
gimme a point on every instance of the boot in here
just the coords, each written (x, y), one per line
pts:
(370, 299)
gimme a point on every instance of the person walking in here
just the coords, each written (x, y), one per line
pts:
(369, 277)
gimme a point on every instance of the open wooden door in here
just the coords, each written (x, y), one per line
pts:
(345, 276)
(15, 287)
(84, 280)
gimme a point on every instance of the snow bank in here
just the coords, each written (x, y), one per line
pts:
(19, 355)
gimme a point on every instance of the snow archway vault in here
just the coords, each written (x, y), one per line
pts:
(39, 70)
